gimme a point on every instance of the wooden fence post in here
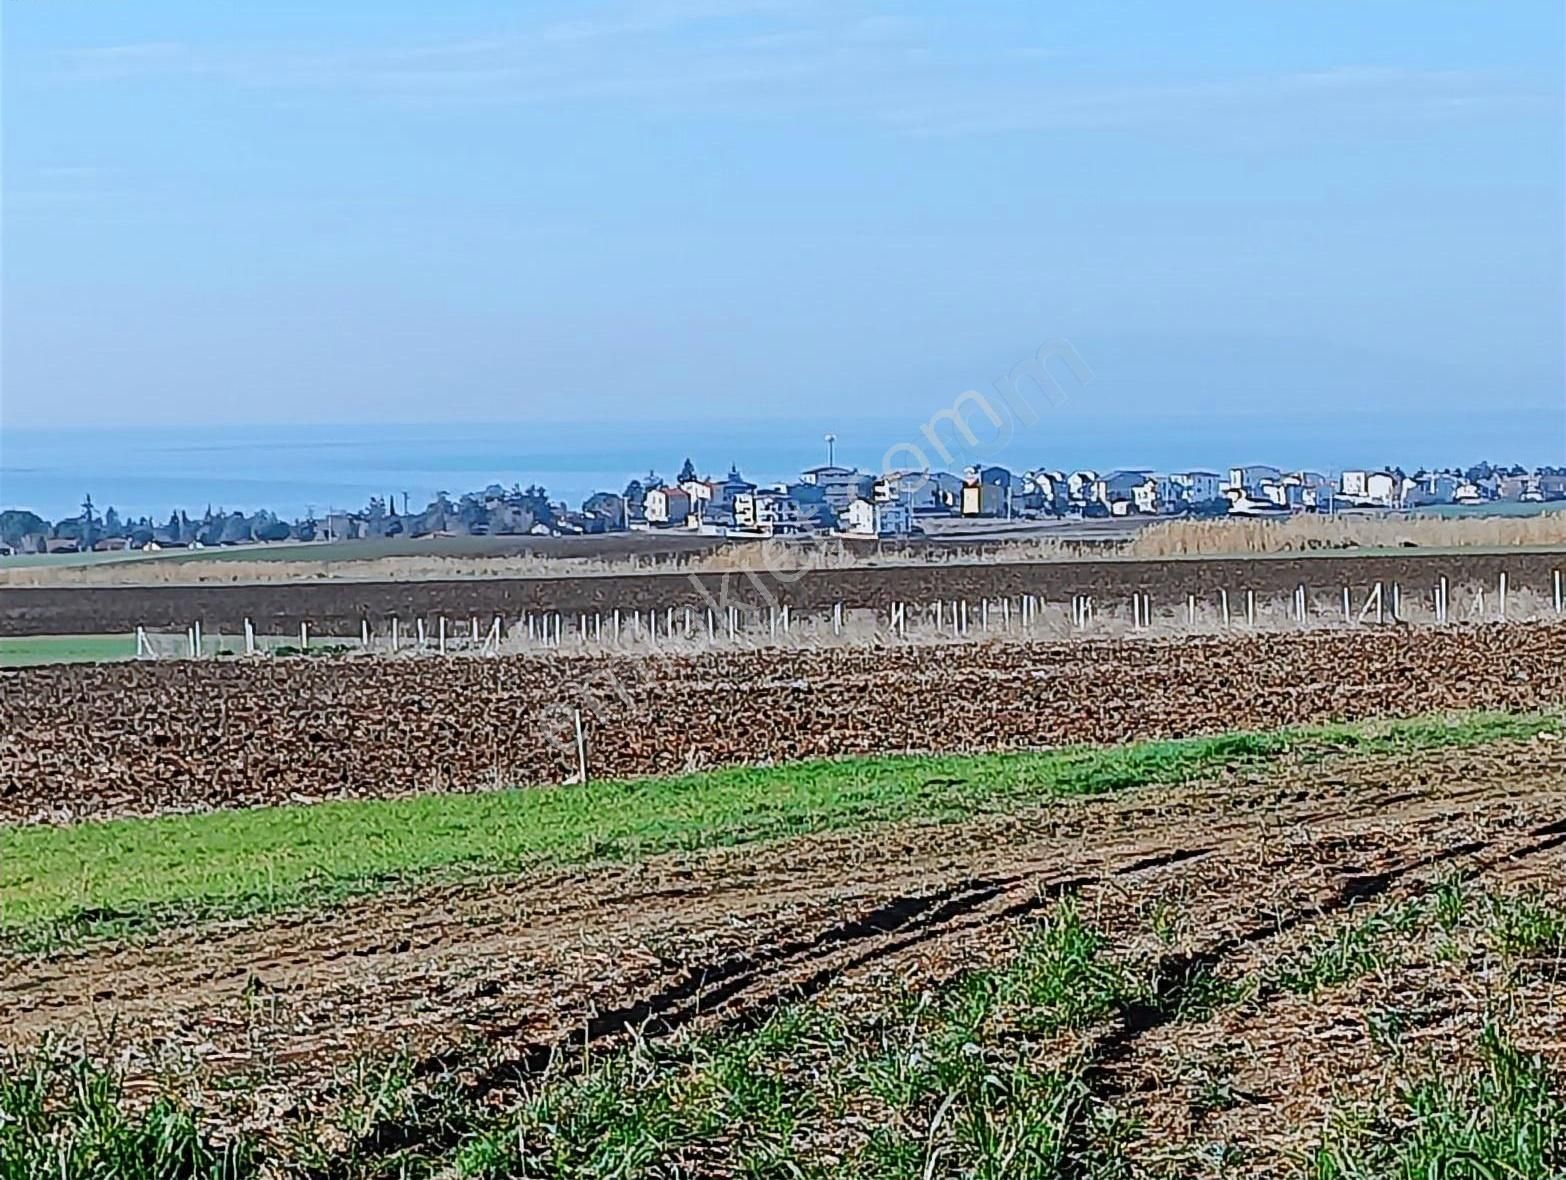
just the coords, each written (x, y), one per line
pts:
(581, 750)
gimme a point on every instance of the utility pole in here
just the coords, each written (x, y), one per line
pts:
(87, 511)
(831, 440)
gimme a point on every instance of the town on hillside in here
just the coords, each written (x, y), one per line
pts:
(830, 499)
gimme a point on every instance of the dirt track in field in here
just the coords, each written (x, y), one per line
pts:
(90, 741)
(489, 980)
(338, 607)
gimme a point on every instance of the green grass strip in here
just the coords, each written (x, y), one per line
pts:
(65, 649)
(120, 876)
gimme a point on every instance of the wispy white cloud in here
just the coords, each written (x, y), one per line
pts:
(783, 57)
(75, 189)
(1316, 99)
(110, 63)
(139, 51)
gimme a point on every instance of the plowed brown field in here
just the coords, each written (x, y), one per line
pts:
(96, 740)
(339, 607)
(479, 987)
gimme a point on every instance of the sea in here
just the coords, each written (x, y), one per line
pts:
(294, 470)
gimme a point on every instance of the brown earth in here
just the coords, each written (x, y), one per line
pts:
(339, 607)
(81, 741)
(485, 983)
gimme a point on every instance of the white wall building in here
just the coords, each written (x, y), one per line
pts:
(725, 490)
(916, 490)
(1251, 478)
(1196, 487)
(666, 506)
(948, 490)
(1043, 490)
(1127, 491)
(766, 511)
(1079, 485)
(1440, 487)
(865, 518)
(701, 492)
(839, 485)
(1370, 488)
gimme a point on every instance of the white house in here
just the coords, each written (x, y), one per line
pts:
(730, 487)
(1187, 487)
(1299, 491)
(916, 490)
(1198, 487)
(866, 518)
(1283, 493)
(839, 485)
(767, 511)
(1127, 491)
(948, 490)
(701, 493)
(983, 499)
(1079, 485)
(1384, 488)
(1251, 479)
(666, 506)
(1370, 488)
(1315, 490)
(1439, 487)
(1243, 504)
(1043, 490)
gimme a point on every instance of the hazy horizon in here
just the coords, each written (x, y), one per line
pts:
(288, 468)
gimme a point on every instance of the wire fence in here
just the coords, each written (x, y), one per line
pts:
(1019, 617)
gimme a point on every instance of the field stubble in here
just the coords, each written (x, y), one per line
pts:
(807, 585)
(90, 741)
(677, 552)
(1337, 966)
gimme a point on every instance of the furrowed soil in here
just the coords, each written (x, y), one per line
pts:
(338, 607)
(92, 741)
(477, 989)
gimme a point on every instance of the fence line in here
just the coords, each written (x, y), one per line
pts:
(950, 620)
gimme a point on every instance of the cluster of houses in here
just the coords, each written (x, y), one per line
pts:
(855, 503)
(825, 499)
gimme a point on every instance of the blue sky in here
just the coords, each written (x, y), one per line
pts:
(306, 212)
